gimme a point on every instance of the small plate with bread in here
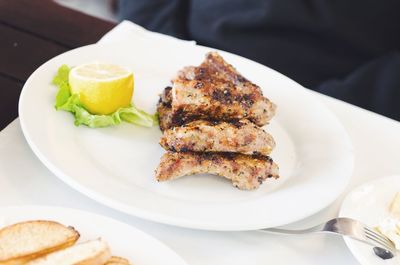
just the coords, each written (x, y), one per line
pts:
(39, 235)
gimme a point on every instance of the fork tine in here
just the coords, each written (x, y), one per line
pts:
(380, 244)
(376, 240)
(385, 243)
(379, 235)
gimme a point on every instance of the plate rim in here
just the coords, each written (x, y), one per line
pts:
(170, 219)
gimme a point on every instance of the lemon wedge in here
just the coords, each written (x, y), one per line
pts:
(102, 88)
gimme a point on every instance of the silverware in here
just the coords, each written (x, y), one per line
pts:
(350, 228)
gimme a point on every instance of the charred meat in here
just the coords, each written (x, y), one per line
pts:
(240, 136)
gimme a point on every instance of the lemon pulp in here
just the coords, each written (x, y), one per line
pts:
(102, 88)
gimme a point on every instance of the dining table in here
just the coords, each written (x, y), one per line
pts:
(33, 32)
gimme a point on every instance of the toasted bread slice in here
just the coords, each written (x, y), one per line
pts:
(114, 260)
(94, 252)
(28, 240)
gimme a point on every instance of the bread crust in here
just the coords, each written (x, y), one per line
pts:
(18, 228)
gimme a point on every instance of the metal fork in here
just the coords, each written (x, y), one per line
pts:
(346, 227)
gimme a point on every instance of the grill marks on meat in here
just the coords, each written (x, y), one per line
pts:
(211, 118)
(240, 136)
(214, 90)
(167, 118)
(164, 110)
(245, 171)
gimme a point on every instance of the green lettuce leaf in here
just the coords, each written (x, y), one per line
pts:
(61, 81)
(71, 103)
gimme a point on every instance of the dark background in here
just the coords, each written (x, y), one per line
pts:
(345, 49)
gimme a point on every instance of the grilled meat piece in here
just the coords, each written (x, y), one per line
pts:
(246, 172)
(165, 97)
(215, 90)
(164, 109)
(241, 136)
(166, 117)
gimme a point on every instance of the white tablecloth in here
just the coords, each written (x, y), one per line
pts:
(376, 139)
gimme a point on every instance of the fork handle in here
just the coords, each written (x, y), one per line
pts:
(315, 229)
(329, 227)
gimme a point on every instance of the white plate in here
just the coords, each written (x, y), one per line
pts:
(124, 240)
(115, 166)
(369, 203)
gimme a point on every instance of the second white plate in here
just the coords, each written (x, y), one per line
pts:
(115, 166)
(369, 204)
(123, 240)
